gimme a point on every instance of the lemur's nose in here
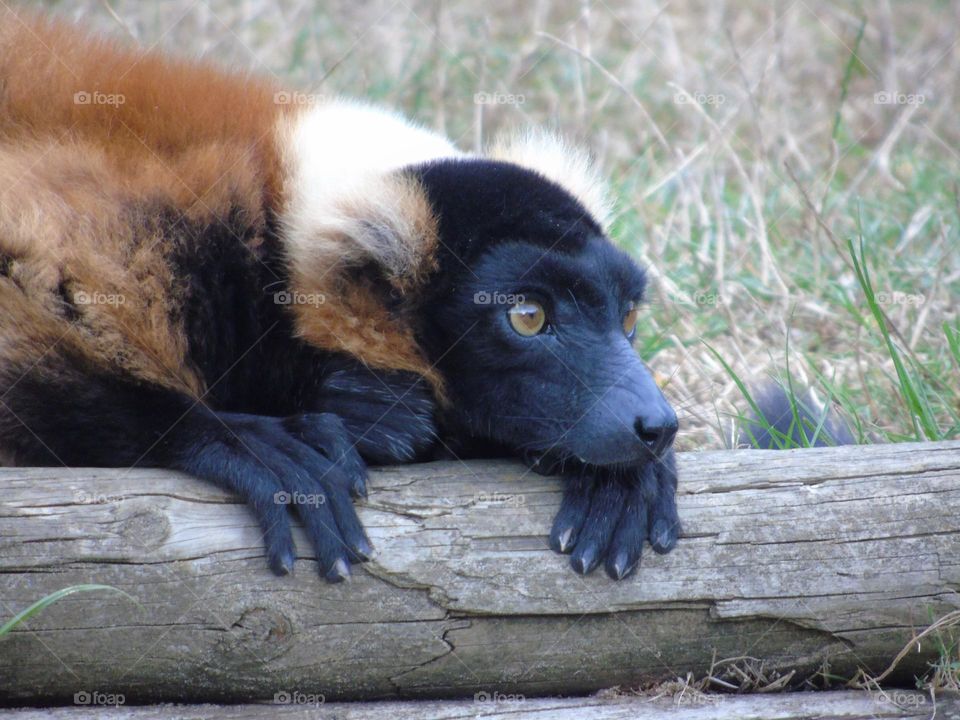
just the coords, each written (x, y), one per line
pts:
(658, 431)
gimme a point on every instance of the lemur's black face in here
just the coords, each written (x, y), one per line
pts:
(534, 334)
(544, 361)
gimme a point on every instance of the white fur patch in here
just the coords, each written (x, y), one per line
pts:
(338, 158)
(569, 167)
(345, 205)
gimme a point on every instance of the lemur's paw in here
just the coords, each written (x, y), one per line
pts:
(605, 517)
(326, 433)
(664, 527)
(303, 463)
(389, 415)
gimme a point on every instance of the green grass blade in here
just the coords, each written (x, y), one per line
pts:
(953, 342)
(53, 597)
(921, 415)
(847, 75)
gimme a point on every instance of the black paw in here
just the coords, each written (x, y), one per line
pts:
(389, 415)
(606, 516)
(303, 463)
(327, 434)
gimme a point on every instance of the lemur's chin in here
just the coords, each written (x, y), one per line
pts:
(556, 460)
(547, 462)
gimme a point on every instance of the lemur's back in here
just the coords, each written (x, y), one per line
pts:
(104, 151)
(61, 85)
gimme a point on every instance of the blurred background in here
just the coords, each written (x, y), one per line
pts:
(787, 170)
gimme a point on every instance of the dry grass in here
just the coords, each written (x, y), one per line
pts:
(696, 110)
(730, 675)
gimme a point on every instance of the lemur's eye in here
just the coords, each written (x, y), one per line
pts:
(527, 317)
(630, 319)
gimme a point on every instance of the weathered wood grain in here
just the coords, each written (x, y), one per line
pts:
(802, 559)
(835, 705)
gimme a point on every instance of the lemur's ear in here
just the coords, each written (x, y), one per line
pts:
(383, 222)
(568, 166)
(359, 233)
(372, 244)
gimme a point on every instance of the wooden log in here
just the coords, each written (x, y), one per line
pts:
(806, 561)
(838, 705)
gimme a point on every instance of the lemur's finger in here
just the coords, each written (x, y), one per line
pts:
(606, 505)
(623, 555)
(572, 514)
(664, 522)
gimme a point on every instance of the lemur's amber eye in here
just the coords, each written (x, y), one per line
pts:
(527, 317)
(630, 319)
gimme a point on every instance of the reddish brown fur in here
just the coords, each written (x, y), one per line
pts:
(186, 136)
(59, 224)
(171, 108)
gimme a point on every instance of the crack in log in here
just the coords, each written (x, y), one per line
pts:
(395, 679)
(810, 482)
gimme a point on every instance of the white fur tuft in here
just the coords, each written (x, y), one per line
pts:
(339, 155)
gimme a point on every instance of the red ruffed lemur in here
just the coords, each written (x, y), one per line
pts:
(200, 272)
